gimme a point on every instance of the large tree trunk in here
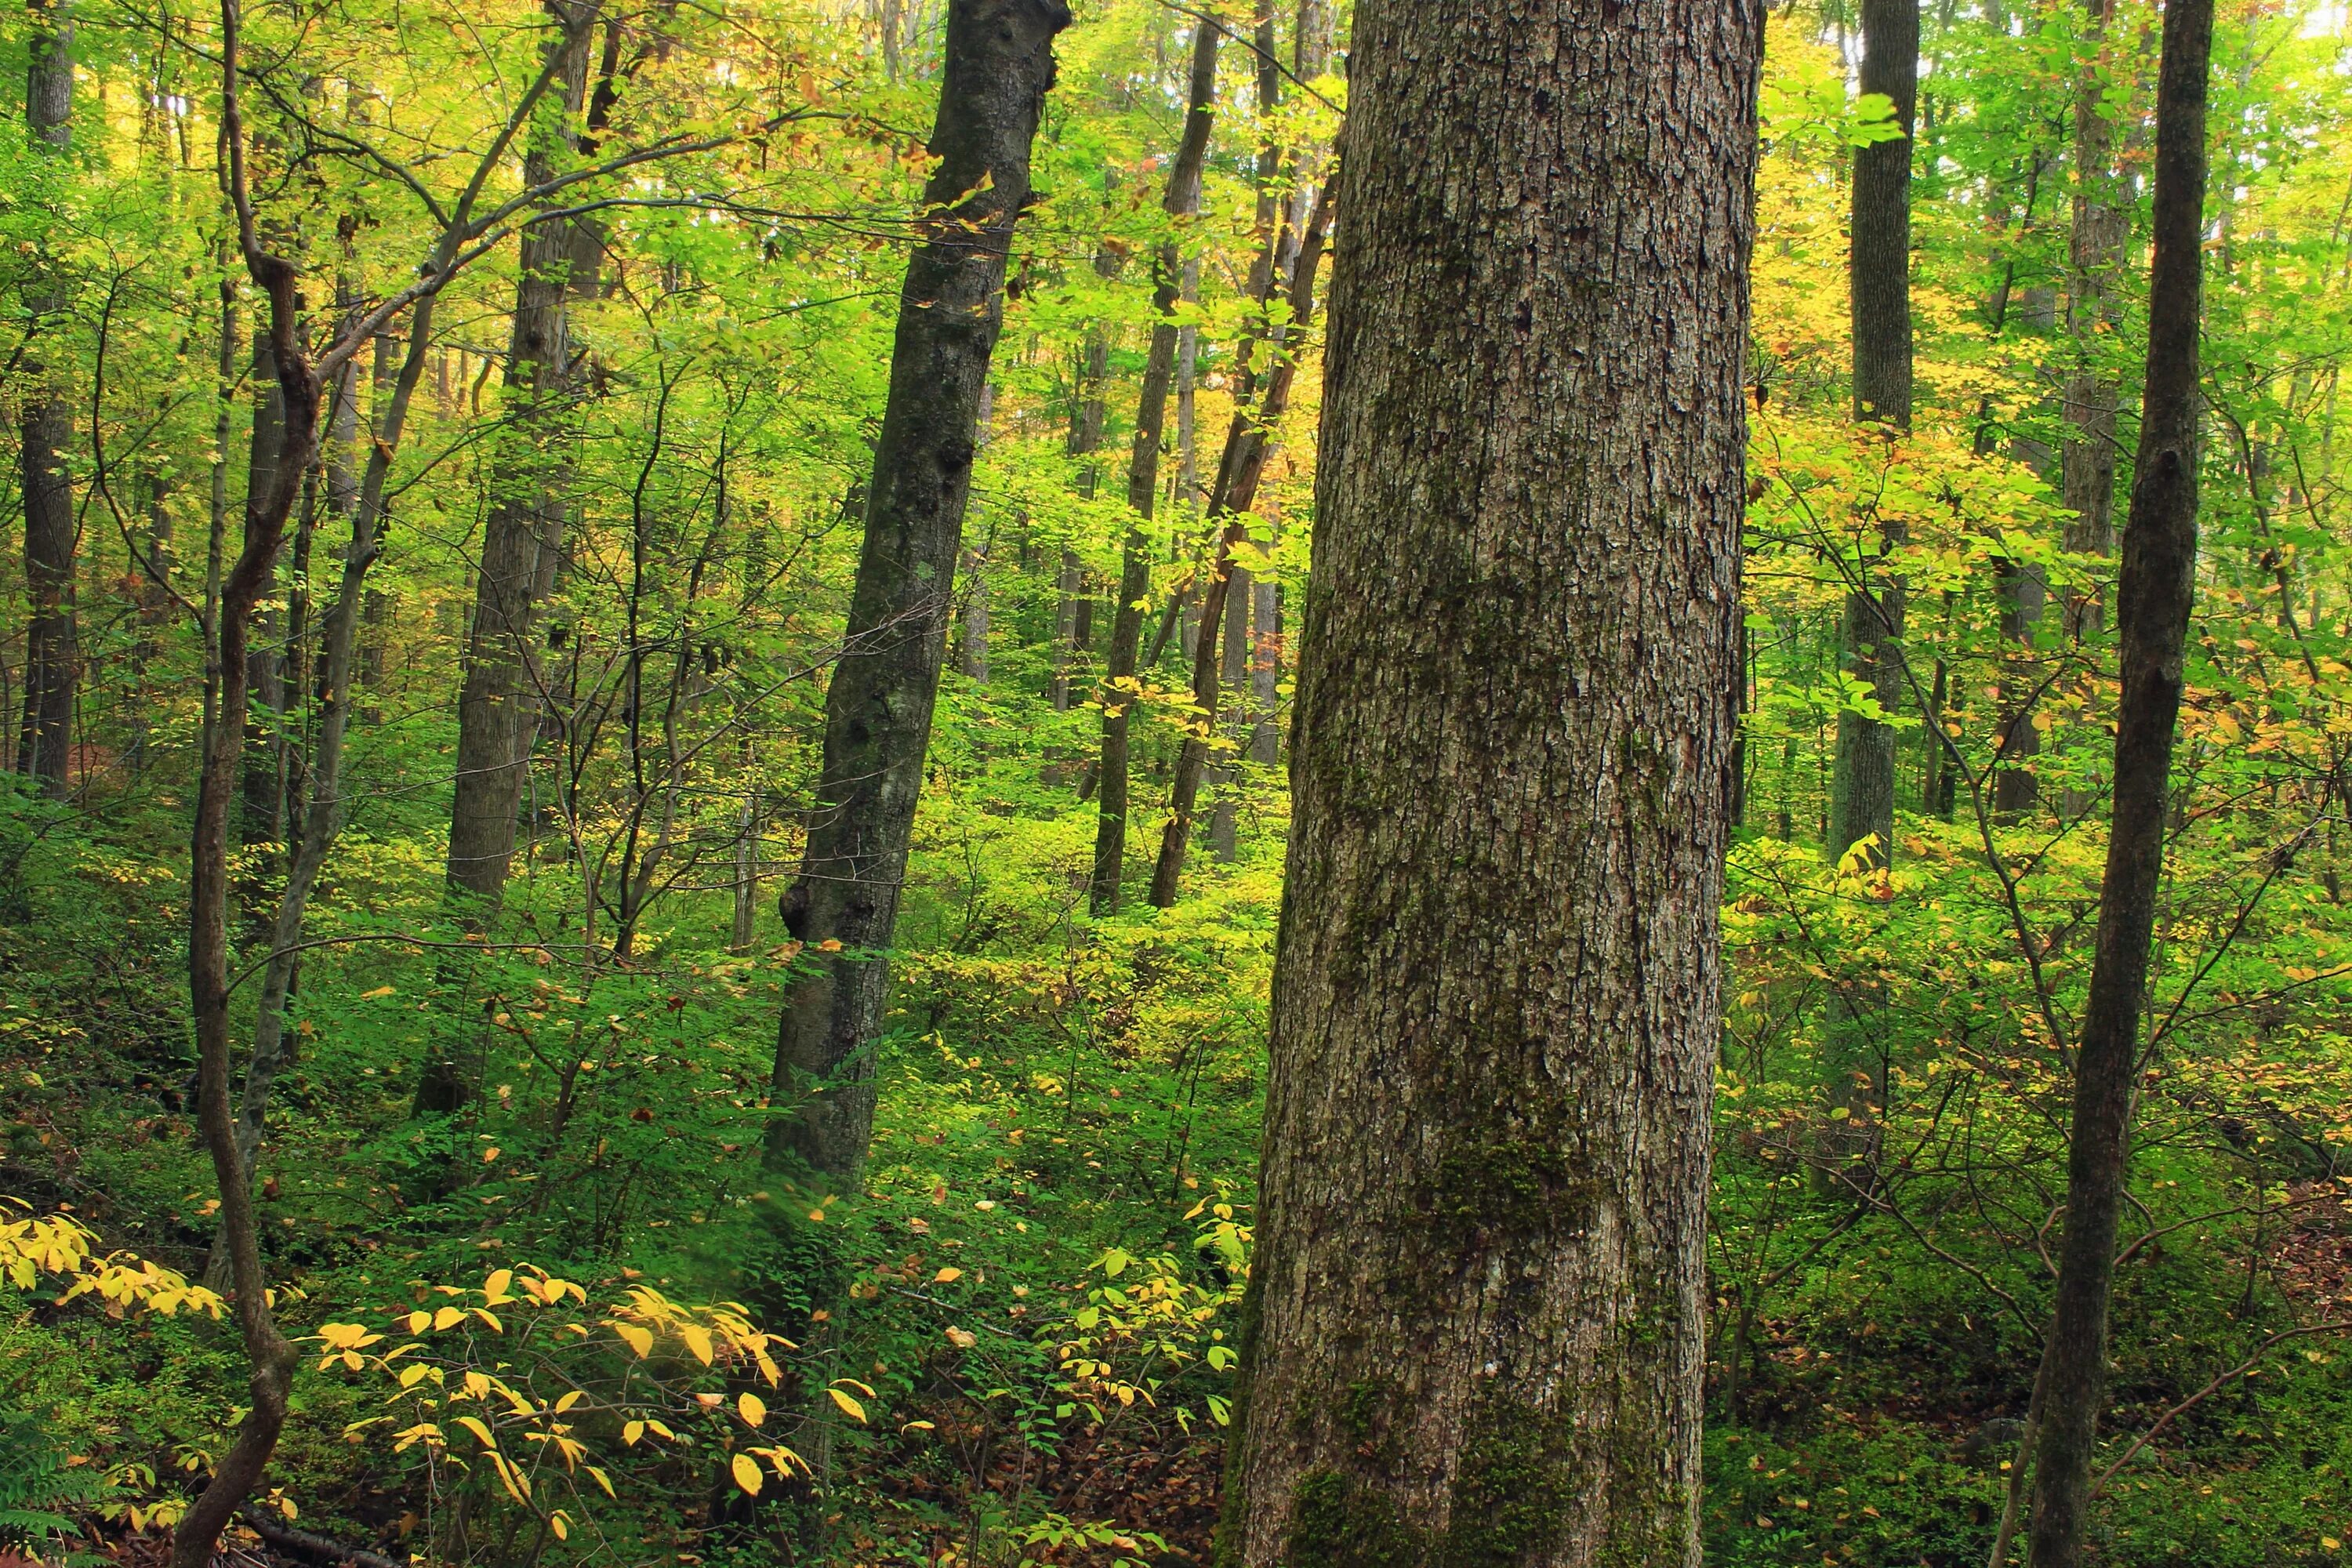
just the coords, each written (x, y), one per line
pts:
(523, 538)
(2152, 607)
(998, 65)
(1862, 804)
(45, 433)
(1474, 1333)
(1181, 201)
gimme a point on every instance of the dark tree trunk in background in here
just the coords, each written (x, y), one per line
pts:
(2152, 607)
(2014, 787)
(522, 539)
(45, 433)
(1182, 200)
(971, 636)
(1475, 1326)
(1861, 802)
(999, 64)
(1265, 672)
(1234, 665)
(261, 812)
(2095, 250)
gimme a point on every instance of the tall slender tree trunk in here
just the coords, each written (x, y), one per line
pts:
(971, 642)
(1233, 658)
(321, 803)
(1074, 611)
(262, 769)
(1182, 200)
(523, 540)
(2022, 590)
(747, 848)
(1248, 441)
(270, 1357)
(45, 434)
(1265, 672)
(2088, 451)
(999, 64)
(1474, 1332)
(1862, 804)
(2153, 602)
(2094, 255)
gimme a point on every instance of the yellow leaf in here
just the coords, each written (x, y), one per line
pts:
(518, 1484)
(752, 1408)
(555, 1522)
(849, 1407)
(480, 1432)
(493, 1289)
(379, 991)
(747, 1473)
(947, 1277)
(962, 1338)
(639, 1340)
(447, 1317)
(629, 1435)
(567, 1402)
(697, 1340)
(490, 1156)
(419, 1321)
(603, 1480)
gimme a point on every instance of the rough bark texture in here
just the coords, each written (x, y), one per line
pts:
(2152, 605)
(45, 434)
(999, 64)
(523, 538)
(2087, 457)
(1181, 201)
(1861, 800)
(1474, 1333)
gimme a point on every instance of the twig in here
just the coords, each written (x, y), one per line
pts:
(2198, 1397)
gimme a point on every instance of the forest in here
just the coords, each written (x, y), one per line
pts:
(1286, 783)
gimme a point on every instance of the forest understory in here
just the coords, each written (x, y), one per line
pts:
(668, 676)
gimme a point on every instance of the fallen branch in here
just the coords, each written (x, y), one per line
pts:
(279, 1533)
